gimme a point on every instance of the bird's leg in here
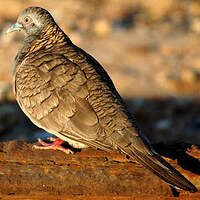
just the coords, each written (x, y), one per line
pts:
(55, 145)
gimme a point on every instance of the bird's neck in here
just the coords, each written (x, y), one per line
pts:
(49, 38)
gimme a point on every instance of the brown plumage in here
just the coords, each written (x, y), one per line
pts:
(66, 92)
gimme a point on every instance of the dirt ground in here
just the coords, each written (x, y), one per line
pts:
(151, 50)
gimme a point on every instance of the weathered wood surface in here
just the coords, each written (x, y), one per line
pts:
(26, 173)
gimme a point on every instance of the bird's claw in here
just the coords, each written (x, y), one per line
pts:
(55, 145)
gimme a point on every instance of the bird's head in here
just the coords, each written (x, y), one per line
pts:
(32, 21)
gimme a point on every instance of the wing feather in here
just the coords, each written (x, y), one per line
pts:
(57, 101)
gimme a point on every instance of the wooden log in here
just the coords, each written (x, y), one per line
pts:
(26, 173)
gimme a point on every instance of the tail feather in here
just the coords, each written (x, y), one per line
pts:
(160, 167)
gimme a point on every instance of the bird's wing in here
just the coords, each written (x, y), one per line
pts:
(57, 96)
(53, 92)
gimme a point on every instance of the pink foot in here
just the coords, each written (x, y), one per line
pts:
(55, 145)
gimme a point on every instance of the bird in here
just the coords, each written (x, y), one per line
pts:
(65, 91)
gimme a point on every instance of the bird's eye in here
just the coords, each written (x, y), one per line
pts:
(27, 20)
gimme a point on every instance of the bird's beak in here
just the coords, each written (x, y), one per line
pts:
(15, 27)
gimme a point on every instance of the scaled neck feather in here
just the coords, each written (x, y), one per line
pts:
(49, 38)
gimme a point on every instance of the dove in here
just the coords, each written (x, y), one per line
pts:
(66, 92)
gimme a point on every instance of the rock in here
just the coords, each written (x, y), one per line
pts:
(49, 174)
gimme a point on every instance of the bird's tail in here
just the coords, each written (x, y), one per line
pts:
(155, 163)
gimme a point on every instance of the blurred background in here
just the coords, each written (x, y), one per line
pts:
(150, 48)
